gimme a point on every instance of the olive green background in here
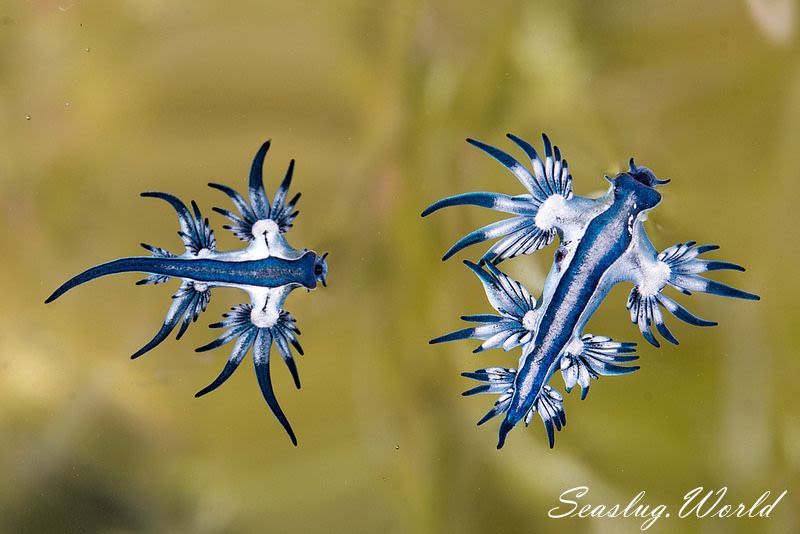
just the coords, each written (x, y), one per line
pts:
(102, 100)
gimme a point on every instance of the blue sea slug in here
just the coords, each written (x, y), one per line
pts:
(603, 242)
(267, 269)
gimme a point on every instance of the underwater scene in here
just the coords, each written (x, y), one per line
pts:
(365, 109)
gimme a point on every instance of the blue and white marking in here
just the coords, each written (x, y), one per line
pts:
(602, 243)
(267, 269)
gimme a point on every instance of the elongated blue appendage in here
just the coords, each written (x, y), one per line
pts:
(122, 265)
(258, 197)
(549, 404)
(596, 356)
(682, 313)
(684, 269)
(526, 178)
(552, 174)
(174, 315)
(464, 333)
(685, 266)
(505, 427)
(500, 381)
(696, 283)
(281, 212)
(195, 231)
(245, 340)
(518, 235)
(520, 205)
(261, 364)
(497, 380)
(491, 231)
(187, 304)
(514, 303)
(240, 326)
(505, 294)
(505, 333)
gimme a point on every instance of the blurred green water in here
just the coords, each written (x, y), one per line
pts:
(100, 101)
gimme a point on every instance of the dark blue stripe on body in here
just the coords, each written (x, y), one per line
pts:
(605, 240)
(267, 272)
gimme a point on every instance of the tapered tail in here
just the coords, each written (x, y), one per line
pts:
(548, 403)
(505, 428)
(122, 265)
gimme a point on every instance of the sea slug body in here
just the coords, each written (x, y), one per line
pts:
(603, 242)
(267, 269)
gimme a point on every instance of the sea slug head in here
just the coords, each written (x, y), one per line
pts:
(637, 187)
(321, 270)
(643, 175)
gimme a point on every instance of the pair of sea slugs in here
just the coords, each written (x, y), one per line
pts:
(602, 242)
